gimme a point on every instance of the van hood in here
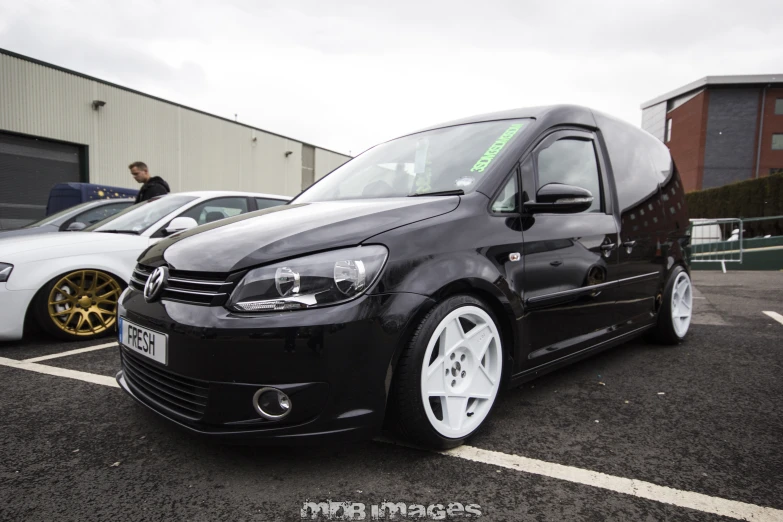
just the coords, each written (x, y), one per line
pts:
(63, 244)
(290, 230)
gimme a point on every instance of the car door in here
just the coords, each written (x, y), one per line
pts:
(570, 259)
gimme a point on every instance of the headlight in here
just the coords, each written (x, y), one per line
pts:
(308, 282)
(5, 271)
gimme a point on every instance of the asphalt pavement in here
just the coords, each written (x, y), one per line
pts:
(688, 431)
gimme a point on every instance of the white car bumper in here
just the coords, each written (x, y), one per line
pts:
(13, 307)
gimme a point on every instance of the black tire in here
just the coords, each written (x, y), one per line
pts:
(42, 312)
(664, 331)
(407, 415)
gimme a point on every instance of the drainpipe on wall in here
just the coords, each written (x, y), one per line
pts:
(761, 127)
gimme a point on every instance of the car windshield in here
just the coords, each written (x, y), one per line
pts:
(138, 218)
(54, 217)
(440, 160)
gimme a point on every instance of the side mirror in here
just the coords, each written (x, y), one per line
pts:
(76, 226)
(560, 198)
(180, 224)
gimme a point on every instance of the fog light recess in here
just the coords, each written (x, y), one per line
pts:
(272, 403)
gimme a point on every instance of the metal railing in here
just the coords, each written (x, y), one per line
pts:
(716, 241)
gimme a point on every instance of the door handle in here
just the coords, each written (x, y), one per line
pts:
(556, 263)
(607, 249)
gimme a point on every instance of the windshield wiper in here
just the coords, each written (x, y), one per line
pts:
(457, 192)
(133, 232)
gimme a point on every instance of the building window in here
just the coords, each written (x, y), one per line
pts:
(668, 130)
(779, 106)
(777, 142)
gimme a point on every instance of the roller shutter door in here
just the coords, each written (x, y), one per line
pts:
(29, 167)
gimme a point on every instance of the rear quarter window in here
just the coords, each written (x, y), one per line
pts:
(639, 161)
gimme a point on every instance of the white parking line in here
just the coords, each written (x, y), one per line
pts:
(60, 372)
(71, 352)
(776, 316)
(636, 488)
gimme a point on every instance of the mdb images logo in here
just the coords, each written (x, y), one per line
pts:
(332, 510)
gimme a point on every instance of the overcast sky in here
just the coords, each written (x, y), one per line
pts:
(346, 75)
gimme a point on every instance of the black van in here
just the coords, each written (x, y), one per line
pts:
(414, 282)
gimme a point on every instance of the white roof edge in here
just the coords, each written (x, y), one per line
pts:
(739, 79)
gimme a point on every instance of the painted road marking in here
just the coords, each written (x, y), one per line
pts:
(776, 316)
(60, 372)
(636, 488)
(71, 352)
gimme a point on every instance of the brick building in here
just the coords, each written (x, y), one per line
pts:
(721, 129)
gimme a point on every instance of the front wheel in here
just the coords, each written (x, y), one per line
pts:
(79, 305)
(674, 316)
(449, 377)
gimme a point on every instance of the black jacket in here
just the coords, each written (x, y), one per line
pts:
(155, 186)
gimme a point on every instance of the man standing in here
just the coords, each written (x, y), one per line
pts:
(152, 185)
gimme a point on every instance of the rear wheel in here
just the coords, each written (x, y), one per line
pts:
(448, 379)
(79, 305)
(674, 317)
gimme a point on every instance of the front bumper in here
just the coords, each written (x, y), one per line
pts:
(14, 305)
(334, 363)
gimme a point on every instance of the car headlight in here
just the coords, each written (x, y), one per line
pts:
(5, 271)
(308, 282)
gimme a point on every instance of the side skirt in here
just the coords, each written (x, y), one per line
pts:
(538, 371)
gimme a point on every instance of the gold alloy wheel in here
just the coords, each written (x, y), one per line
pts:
(84, 303)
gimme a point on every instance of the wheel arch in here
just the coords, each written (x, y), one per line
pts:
(482, 290)
(28, 316)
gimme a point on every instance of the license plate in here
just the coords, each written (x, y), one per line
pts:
(144, 341)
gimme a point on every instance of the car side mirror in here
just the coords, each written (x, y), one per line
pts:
(76, 226)
(560, 198)
(180, 224)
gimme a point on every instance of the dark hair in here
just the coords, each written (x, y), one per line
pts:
(139, 165)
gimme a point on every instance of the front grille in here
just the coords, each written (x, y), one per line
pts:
(187, 397)
(203, 288)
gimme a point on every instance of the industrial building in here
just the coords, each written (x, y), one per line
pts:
(721, 129)
(58, 125)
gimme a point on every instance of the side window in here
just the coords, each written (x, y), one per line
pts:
(263, 203)
(94, 215)
(217, 209)
(571, 161)
(508, 199)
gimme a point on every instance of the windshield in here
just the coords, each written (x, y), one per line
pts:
(54, 217)
(440, 160)
(138, 218)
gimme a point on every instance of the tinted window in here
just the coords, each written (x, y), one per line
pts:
(571, 161)
(94, 215)
(507, 199)
(217, 209)
(630, 151)
(268, 203)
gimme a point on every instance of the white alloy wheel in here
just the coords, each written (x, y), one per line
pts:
(682, 304)
(461, 371)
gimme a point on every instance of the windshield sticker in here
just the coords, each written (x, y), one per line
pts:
(465, 181)
(496, 147)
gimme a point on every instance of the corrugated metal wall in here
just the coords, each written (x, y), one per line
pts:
(654, 120)
(191, 150)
